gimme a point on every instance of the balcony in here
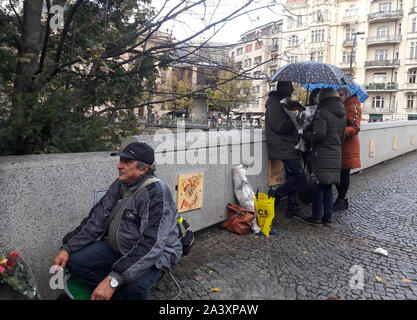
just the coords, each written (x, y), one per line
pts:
(347, 43)
(349, 19)
(272, 48)
(374, 64)
(385, 16)
(384, 86)
(272, 63)
(389, 39)
(346, 65)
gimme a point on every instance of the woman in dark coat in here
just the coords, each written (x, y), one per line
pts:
(350, 148)
(327, 134)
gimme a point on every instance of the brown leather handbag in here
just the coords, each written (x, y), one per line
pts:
(239, 220)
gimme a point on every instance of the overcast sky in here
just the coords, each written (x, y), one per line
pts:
(189, 23)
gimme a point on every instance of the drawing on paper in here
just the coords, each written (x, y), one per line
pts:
(190, 192)
(371, 148)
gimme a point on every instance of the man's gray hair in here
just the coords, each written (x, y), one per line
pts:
(346, 91)
(141, 164)
(326, 93)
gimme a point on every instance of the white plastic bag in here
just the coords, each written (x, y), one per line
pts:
(244, 193)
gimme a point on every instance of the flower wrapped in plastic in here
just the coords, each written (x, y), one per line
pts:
(18, 276)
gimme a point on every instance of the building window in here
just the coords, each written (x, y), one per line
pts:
(258, 60)
(385, 7)
(382, 32)
(349, 33)
(247, 63)
(413, 50)
(410, 101)
(290, 22)
(273, 87)
(272, 72)
(293, 41)
(275, 43)
(258, 45)
(317, 35)
(255, 89)
(293, 59)
(381, 54)
(257, 74)
(248, 48)
(412, 76)
(346, 56)
(320, 15)
(317, 56)
(352, 11)
(239, 51)
(413, 25)
(380, 77)
(378, 102)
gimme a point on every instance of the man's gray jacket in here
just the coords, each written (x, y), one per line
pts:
(147, 234)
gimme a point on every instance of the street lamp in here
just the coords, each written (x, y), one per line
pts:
(351, 51)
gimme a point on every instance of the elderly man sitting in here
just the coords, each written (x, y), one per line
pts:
(130, 237)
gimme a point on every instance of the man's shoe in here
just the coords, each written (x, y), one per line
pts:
(327, 219)
(340, 204)
(311, 221)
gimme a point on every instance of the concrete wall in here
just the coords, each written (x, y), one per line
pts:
(383, 134)
(43, 197)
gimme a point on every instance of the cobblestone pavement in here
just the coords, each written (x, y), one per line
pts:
(310, 262)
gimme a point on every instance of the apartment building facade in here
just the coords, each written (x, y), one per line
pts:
(257, 56)
(382, 58)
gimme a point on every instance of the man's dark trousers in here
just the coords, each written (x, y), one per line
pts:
(93, 263)
(293, 174)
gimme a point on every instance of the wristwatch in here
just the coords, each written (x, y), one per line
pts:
(113, 282)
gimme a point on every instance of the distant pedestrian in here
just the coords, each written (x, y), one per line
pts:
(350, 148)
(213, 121)
(327, 133)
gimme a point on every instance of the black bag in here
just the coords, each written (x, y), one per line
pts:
(186, 236)
(309, 183)
(307, 187)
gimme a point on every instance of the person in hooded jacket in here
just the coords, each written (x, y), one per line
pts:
(350, 148)
(327, 133)
(282, 137)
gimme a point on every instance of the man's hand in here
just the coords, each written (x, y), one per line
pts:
(61, 258)
(103, 290)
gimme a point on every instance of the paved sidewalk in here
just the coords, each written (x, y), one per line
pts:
(309, 262)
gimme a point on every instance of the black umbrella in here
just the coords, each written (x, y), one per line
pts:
(311, 72)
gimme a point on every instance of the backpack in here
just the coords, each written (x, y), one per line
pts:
(186, 236)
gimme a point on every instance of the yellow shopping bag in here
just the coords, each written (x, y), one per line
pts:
(265, 211)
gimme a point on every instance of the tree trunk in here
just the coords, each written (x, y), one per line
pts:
(28, 56)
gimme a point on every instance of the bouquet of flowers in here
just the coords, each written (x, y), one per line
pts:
(291, 104)
(296, 112)
(18, 276)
